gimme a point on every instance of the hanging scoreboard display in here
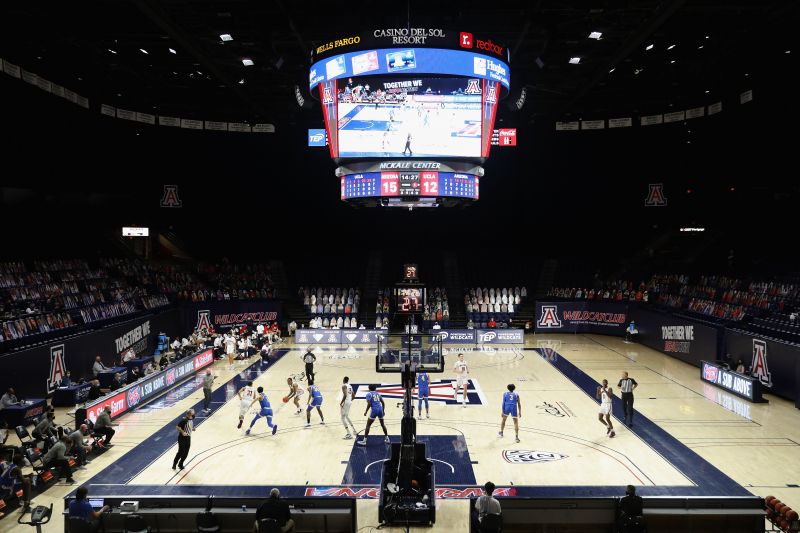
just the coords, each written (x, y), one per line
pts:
(385, 184)
(410, 94)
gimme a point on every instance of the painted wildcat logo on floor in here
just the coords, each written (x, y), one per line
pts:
(529, 456)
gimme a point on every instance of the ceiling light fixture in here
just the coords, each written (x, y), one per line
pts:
(649, 47)
(112, 51)
(226, 37)
(595, 35)
(574, 60)
(172, 51)
(247, 62)
(670, 47)
(142, 50)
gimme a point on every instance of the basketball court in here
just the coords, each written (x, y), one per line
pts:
(687, 440)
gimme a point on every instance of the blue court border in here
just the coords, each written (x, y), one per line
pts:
(709, 481)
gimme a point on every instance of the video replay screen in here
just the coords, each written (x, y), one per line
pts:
(414, 117)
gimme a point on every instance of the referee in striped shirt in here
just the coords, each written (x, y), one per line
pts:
(626, 386)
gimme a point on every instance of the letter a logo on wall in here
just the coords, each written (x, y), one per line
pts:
(170, 197)
(57, 367)
(549, 317)
(759, 365)
(203, 321)
(655, 196)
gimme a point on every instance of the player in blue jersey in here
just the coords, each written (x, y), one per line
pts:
(423, 390)
(266, 411)
(314, 400)
(511, 406)
(375, 408)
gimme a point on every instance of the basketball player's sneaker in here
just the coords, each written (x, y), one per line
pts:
(387, 440)
(348, 436)
(517, 439)
(240, 424)
(362, 442)
(611, 435)
(427, 415)
(274, 429)
(499, 433)
(247, 432)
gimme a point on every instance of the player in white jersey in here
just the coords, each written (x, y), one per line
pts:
(246, 397)
(230, 349)
(604, 394)
(347, 401)
(462, 377)
(296, 390)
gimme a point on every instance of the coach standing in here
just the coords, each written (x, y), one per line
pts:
(208, 382)
(185, 428)
(626, 386)
(309, 359)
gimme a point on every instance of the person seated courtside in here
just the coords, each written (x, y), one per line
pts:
(274, 509)
(81, 508)
(487, 510)
(630, 512)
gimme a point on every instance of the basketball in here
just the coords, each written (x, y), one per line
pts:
(786, 510)
(792, 515)
(779, 507)
(285, 399)
(768, 500)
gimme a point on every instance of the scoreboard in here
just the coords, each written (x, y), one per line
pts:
(426, 183)
(409, 300)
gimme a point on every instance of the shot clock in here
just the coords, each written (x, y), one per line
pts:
(409, 300)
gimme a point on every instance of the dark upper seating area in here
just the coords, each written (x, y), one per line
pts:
(46, 300)
(767, 306)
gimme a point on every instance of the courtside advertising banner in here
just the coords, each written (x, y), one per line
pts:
(318, 336)
(685, 339)
(145, 390)
(222, 316)
(501, 336)
(454, 336)
(361, 336)
(38, 371)
(605, 318)
(775, 364)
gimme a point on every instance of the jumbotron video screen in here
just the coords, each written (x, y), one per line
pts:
(423, 117)
(409, 127)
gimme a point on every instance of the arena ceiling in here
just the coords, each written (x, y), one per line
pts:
(168, 55)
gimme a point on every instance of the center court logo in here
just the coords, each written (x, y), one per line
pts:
(549, 317)
(531, 456)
